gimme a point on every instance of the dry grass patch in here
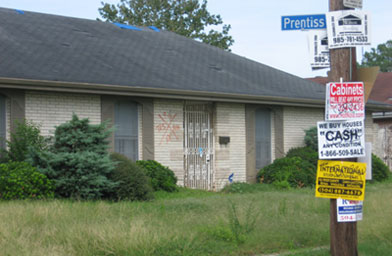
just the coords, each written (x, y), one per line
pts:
(187, 224)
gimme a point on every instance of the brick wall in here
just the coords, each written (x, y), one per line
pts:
(382, 146)
(273, 134)
(229, 120)
(168, 135)
(8, 119)
(296, 120)
(370, 132)
(49, 109)
(140, 131)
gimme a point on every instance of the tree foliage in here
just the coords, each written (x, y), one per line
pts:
(185, 17)
(380, 56)
(19, 180)
(132, 183)
(311, 138)
(161, 177)
(24, 140)
(78, 162)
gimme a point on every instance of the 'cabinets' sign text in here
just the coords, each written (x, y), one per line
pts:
(345, 101)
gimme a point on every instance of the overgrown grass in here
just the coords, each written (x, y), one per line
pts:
(254, 221)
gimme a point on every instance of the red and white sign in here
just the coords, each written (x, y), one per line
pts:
(345, 101)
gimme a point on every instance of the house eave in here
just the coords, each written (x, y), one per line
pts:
(59, 86)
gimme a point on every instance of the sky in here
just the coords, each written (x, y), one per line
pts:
(255, 26)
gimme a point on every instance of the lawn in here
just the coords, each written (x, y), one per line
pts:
(254, 221)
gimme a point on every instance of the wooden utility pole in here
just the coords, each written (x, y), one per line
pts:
(343, 235)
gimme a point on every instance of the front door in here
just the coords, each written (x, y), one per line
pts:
(198, 146)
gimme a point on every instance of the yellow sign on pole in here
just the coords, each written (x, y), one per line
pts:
(338, 179)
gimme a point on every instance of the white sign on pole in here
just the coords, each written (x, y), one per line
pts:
(344, 139)
(318, 49)
(353, 3)
(349, 210)
(348, 28)
(345, 101)
(368, 160)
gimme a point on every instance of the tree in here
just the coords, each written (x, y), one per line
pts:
(382, 56)
(25, 140)
(184, 17)
(78, 162)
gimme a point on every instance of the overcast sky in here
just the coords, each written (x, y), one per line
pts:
(255, 24)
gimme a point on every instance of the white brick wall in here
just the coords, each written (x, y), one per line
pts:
(8, 119)
(49, 109)
(229, 121)
(231, 158)
(370, 133)
(168, 135)
(273, 153)
(296, 120)
(380, 136)
(140, 131)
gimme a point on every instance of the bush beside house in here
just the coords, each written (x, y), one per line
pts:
(78, 161)
(76, 164)
(19, 180)
(299, 167)
(162, 178)
(132, 183)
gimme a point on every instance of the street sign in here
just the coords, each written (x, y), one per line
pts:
(338, 179)
(343, 139)
(353, 3)
(304, 22)
(349, 210)
(348, 28)
(345, 101)
(318, 49)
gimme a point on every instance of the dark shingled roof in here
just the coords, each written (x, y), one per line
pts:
(37, 46)
(382, 89)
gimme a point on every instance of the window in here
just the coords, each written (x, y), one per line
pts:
(126, 129)
(263, 137)
(2, 122)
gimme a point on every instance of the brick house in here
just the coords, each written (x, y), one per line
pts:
(206, 113)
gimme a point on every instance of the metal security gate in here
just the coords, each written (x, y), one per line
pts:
(198, 146)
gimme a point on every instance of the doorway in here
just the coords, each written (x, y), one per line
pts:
(198, 146)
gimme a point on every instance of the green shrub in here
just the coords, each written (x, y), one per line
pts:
(288, 171)
(25, 139)
(311, 138)
(305, 153)
(79, 135)
(78, 162)
(82, 175)
(19, 180)
(132, 183)
(162, 178)
(380, 170)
